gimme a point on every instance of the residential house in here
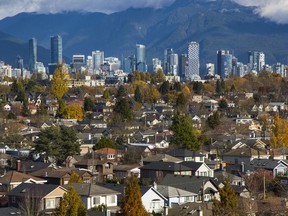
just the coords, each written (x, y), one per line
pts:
(196, 122)
(175, 196)
(204, 187)
(53, 175)
(126, 170)
(244, 155)
(46, 196)
(103, 168)
(12, 179)
(152, 200)
(94, 195)
(156, 171)
(199, 169)
(161, 157)
(187, 155)
(108, 154)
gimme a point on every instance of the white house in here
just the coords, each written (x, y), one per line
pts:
(176, 196)
(199, 169)
(152, 200)
(94, 195)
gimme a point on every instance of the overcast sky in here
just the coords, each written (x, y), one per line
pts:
(276, 10)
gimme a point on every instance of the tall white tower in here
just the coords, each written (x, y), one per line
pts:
(193, 62)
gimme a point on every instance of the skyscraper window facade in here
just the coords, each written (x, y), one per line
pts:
(193, 62)
(56, 50)
(141, 58)
(32, 54)
(224, 63)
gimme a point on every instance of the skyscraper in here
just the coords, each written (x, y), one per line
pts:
(141, 58)
(56, 49)
(193, 62)
(32, 54)
(97, 59)
(167, 53)
(224, 63)
(174, 64)
(183, 65)
(256, 60)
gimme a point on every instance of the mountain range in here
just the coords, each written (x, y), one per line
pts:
(214, 24)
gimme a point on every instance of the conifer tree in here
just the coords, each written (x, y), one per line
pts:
(184, 135)
(71, 205)
(228, 202)
(75, 178)
(131, 203)
(138, 95)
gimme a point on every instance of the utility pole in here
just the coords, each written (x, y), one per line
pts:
(264, 186)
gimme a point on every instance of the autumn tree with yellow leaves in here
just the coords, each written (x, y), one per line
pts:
(279, 133)
(131, 203)
(73, 111)
(59, 82)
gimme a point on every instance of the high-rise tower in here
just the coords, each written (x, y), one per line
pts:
(193, 62)
(224, 63)
(32, 54)
(56, 50)
(141, 58)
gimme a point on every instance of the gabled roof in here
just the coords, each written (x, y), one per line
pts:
(267, 164)
(162, 157)
(244, 152)
(17, 177)
(85, 189)
(50, 172)
(193, 165)
(106, 151)
(170, 192)
(34, 190)
(165, 166)
(185, 182)
(31, 166)
(182, 153)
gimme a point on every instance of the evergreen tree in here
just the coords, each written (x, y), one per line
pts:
(164, 88)
(223, 104)
(106, 94)
(132, 203)
(184, 135)
(138, 95)
(218, 87)
(75, 178)
(88, 104)
(58, 142)
(71, 205)
(181, 101)
(214, 120)
(121, 92)
(122, 108)
(104, 142)
(228, 202)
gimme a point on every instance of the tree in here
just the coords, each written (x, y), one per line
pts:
(73, 111)
(88, 104)
(279, 133)
(106, 94)
(71, 205)
(155, 95)
(164, 88)
(75, 178)
(59, 82)
(104, 142)
(214, 120)
(131, 203)
(138, 95)
(121, 92)
(58, 142)
(122, 108)
(181, 101)
(184, 135)
(228, 202)
(223, 104)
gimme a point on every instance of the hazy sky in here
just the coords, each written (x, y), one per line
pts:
(276, 10)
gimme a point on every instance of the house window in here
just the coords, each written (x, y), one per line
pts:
(50, 203)
(111, 200)
(96, 201)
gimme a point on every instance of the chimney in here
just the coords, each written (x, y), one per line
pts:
(18, 165)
